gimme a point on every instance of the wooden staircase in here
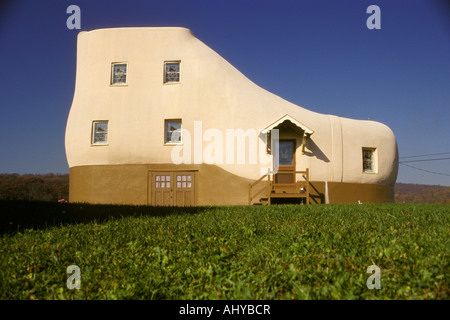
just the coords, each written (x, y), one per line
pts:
(263, 192)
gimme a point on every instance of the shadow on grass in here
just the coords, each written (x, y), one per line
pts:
(16, 216)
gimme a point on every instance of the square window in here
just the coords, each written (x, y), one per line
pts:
(369, 160)
(119, 74)
(172, 72)
(100, 132)
(172, 132)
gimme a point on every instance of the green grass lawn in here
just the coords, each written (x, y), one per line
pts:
(257, 252)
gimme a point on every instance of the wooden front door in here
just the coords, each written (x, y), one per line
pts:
(172, 189)
(286, 161)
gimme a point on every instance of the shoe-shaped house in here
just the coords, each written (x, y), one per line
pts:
(159, 118)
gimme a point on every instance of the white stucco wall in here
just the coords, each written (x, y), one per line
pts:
(210, 90)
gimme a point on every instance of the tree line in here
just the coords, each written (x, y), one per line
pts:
(420, 193)
(34, 187)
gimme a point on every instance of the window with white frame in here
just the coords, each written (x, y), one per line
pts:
(119, 74)
(171, 71)
(172, 131)
(369, 163)
(99, 132)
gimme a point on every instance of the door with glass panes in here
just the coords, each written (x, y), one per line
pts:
(172, 189)
(286, 162)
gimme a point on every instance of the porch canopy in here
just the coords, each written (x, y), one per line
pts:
(288, 122)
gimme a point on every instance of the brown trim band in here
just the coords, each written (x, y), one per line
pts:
(129, 184)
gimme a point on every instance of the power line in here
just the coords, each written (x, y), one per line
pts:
(424, 160)
(425, 155)
(439, 173)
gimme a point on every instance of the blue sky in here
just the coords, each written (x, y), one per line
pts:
(317, 54)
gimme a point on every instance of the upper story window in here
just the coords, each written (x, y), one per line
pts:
(171, 71)
(99, 132)
(172, 131)
(369, 160)
(119, 74)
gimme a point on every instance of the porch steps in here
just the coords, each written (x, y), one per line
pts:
(288, 191)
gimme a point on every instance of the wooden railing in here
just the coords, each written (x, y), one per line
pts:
(261, 190)
(297, 189)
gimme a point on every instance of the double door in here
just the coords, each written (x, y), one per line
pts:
(172, 188)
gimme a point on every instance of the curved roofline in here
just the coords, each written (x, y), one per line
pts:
(138, 28)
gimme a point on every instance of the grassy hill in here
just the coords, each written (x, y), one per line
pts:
(239, 252)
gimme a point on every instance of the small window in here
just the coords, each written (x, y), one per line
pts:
(172, 131)
(184, 181)
(369, 161)
(171, 72)
(162, 181)
(119, 74)
(100, 132)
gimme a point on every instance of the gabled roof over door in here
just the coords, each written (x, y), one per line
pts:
(295, 124)
(287, 117)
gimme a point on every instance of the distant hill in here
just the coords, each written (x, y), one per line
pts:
(421, 193)
(53, 187)
(37, 187)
